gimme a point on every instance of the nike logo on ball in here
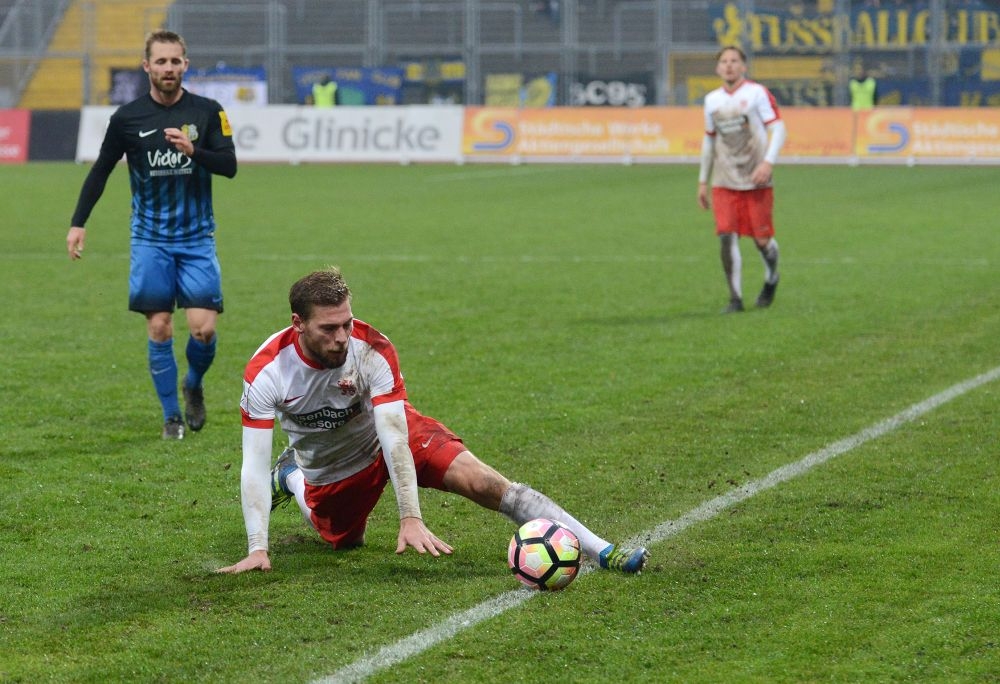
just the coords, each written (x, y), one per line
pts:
(143, 134)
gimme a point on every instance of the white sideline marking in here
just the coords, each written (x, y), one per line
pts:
(420, 641)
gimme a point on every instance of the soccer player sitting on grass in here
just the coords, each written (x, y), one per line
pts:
(335, 385)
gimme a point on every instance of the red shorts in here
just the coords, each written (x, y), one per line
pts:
(340, 510)
(748, 213)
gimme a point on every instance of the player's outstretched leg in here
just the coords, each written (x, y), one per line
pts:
(521, 503)
(630, 561)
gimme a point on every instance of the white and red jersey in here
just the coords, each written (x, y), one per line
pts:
(738, 122)
(326, 412)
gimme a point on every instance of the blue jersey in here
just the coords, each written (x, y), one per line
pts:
(171, 192)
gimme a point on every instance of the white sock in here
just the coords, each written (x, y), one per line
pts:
(769, 253)
(732, 264)
(296, 483)
(521, 503)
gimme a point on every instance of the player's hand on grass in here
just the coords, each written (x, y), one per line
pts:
(258, 560)
(413, 532)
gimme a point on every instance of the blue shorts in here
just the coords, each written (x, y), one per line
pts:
(163, 276)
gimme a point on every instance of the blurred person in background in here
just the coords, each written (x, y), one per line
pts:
(324, 92)
(743, 135)
(864, 89)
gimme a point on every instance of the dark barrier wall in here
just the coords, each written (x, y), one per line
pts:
(53, 135)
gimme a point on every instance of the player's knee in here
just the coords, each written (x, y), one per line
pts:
(473, 479)
(201, 324)
(204, 334)
(202, 330)
(159, 326)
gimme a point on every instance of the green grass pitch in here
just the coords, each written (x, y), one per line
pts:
(565, 321)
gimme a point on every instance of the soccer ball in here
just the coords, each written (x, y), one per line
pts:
(544, 554)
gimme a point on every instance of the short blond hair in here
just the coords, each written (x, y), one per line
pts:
(164, 36)
(737, 49)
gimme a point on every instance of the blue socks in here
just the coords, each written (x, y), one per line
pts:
(163, 369)
(199, 357)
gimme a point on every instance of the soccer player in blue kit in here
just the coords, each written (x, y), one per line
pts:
(173, 141)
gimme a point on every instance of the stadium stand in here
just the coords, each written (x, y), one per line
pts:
(510, 36)
(664, 47)
(113, 35)
(612, 38)
(24, 34)
(5, 7)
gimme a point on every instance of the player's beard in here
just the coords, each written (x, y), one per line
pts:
(327, 358)
(167, 88)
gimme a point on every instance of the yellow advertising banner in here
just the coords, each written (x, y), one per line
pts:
(583, 132)
(664, 133)
(818, 132)
(929, 132)
(654, 132)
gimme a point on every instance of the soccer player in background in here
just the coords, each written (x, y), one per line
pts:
(335, 385)
(173, 141)
(743, 135)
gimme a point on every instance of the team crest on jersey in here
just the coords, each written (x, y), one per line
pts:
(347, 387)
(191, 131)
